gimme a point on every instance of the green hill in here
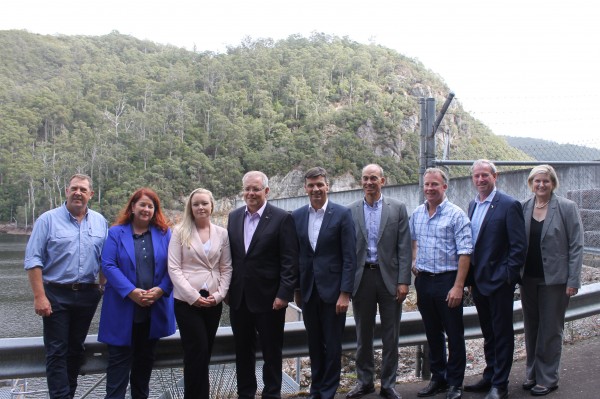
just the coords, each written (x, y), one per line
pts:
(134, 113)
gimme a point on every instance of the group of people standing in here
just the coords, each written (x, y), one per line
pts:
(322, 256)
(499, 243)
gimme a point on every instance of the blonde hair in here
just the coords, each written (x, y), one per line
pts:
(187, 225)
(545, 170)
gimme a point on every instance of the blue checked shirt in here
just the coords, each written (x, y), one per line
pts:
(372, 222)
(66, 250)
(441, 238)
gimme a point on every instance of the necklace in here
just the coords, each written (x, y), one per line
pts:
(542, 205)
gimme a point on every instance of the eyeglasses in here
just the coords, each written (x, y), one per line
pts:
(253, 189)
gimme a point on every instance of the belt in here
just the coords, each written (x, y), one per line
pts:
(74, 286)
(428, 274)
(372, 266)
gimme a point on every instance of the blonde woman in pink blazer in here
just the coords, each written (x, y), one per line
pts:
(200, 269)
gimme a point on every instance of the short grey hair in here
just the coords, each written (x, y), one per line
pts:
(484, 162)
(264, 178)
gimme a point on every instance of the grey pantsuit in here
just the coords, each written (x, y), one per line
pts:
(544, 309)
(545, 300)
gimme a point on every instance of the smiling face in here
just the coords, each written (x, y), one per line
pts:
(317, 189)
(143, 211)
(542, 185)
(484, 180)
(78, 195)
(434, 188)
(372, 181)
(201, 206)
(255, 193)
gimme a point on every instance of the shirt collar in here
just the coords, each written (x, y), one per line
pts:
(376, 204)
(488, 199)
(260, 211)
(322, 210)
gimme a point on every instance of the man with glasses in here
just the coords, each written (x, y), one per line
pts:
(264, 252)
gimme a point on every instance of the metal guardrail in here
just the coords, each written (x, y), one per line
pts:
(25, 357)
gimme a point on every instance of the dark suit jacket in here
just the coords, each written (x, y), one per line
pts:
(270, 268)
(119, 267)
(331, 266)
(500, 250)
(562, 240)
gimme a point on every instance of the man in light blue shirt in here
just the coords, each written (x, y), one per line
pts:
(382, 278)
(442, 247)
(62, 260)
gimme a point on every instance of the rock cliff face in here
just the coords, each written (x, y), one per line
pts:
(292, 184)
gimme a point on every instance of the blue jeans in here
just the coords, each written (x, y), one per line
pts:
(131, 364)
(64, 336)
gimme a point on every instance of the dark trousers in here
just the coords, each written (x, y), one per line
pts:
(197, 328)
(439, 318)
(495, 314)
(325, 329)
(269, 327)
(131, 364)
(64, 336)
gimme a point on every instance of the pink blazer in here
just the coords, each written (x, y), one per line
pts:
(190, 267)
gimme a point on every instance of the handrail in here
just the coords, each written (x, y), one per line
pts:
(25, 357)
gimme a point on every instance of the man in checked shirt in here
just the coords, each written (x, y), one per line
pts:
(442, 245)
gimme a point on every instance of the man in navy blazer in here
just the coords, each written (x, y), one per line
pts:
(264, 254)
(499, 250)
(327, 248)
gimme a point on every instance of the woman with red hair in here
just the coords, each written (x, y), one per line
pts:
(137, 308)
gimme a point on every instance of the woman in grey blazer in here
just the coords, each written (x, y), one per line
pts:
(550, 277)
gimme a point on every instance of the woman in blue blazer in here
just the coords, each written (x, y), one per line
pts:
(550, 277)
(137, 308)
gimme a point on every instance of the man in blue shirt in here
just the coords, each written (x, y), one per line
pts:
(62, 260)
(381, 281)
(442, 247)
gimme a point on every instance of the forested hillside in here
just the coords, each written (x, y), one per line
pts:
(134, 113)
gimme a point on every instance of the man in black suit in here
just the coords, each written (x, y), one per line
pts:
(327, 266)
(499, 250)
(264, 252)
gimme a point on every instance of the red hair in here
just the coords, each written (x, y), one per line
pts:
(159, 219)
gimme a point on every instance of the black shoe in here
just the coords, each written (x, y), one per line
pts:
(528, 384)
(539, 390)
(389, 393)
(433, 388)
(454, 392)
(360, 391)
(480, 386)
(497, 393)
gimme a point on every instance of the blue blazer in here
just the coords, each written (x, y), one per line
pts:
(332, 265)
(501, 247)
(118, 265)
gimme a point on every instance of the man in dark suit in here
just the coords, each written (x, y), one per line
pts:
(499, 250)
(264, 253)
(327, 265)
(382, 279)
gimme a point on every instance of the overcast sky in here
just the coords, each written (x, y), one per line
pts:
(522, 67)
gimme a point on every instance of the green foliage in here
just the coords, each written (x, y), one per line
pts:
(134, 113)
